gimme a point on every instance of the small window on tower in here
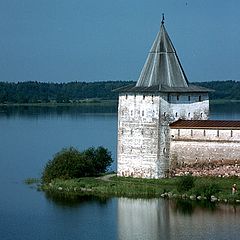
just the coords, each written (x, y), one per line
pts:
(177, 97)
(189, 98)
(200, 98)
(176, 114)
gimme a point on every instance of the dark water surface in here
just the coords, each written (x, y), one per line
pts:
(29, 136)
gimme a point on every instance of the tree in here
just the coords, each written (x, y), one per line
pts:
(71, 163)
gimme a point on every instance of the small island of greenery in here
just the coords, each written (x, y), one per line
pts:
(74, 173)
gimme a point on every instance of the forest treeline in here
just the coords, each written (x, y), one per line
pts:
(39, 92)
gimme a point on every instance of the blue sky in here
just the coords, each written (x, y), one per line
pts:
(92, 40)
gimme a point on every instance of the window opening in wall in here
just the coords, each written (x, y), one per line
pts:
(189, 115)
(142, 113)
(217, 133)
(168, 97)
(179, 132)
(189, 98)
(134, 95)
(126, 96)
(164, 114)
(231, 133)
(191, 132)
(176, 114)
(143, 97)
(152, 98)
(177, 97)
(200, 98)
(204, 133)
(201, 115)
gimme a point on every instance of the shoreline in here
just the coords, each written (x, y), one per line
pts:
(113, 186)
(94, 101)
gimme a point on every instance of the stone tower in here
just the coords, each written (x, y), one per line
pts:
(161, 96)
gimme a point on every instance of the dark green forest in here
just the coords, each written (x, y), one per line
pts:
(39, 92)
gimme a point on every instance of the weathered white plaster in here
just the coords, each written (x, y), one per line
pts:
(202, 145)
(143, 130)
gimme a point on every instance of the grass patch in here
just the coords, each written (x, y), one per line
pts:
(146, 188)
(30, 181)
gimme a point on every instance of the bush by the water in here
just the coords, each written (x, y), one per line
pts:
(185, 183)
(71, 163)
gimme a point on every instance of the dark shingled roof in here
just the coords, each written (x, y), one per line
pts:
(162, 67)
(162, 71)
(205, 124)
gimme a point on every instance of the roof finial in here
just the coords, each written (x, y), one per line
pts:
(163, 18)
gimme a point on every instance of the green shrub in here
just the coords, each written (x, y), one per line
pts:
(185, 183)
(71, 163)
(207, 190)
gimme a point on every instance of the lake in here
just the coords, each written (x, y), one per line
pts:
(30, 136)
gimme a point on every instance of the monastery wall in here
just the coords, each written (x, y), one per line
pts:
(204, 145)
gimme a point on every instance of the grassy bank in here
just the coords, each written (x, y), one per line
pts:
(203, 188)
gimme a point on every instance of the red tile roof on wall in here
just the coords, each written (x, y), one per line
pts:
(206, 124)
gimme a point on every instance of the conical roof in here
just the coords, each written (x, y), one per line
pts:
(162, 67)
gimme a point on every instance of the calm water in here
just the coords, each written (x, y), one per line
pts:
(29, 138)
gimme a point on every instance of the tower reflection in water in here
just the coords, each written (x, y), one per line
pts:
(168, 219)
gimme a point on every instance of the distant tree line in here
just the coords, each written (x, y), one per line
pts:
(38, 92)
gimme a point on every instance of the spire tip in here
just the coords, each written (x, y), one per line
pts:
(163, 19)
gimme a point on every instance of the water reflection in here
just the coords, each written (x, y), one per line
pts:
(73, 111)
(68, 200)
(168, 219)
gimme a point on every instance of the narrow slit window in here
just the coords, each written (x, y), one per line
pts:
(142, 113)
(179, 132)
(200, 98)
(189, 98)
(143, 97)
(191, 132)
(126, 96)
(177, 97)
(204, 133)
(217, 133)
(231, 133)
